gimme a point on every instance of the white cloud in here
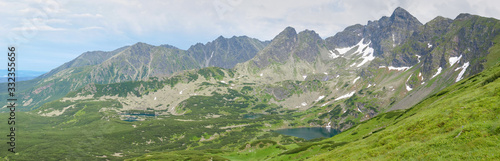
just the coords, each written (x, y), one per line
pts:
(91, 28)
(38, 28)
(83, 15)
(185, 22)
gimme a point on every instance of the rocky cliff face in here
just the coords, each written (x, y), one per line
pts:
(225, 52)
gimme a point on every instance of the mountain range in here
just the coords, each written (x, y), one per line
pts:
(375, 77)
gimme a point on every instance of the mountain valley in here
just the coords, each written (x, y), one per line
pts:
(395, 88)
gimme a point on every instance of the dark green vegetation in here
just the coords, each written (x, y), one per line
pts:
(84, 132)
(91, 128)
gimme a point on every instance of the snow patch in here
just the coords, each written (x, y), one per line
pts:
(337, 76)
(319, 98)
(369, 85)
(429, 45)
(155, 99)
(408, 88)
(454, 60)
(366, 51)
(345, 96)
(343, 51)
(399, 68)
(329, 126)
(353, 82)
(461, 74)
(333, 55)
(418, 58)
(303, 104)
(325, 104)
(325, 73)
(367, 56)
(304, 76)
(261, 74)
(437, 73)
(382, 67)
(422, 83)
(223, 82)
(359, 110)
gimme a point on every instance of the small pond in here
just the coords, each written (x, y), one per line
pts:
(135, 116)
(251, 116)
(309, 133)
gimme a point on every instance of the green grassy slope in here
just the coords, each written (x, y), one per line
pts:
(460, 122)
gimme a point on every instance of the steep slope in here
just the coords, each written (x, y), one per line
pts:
(141, 61)
(132, 63)
(289, 56)
(384, 34)
(226, 52)
(85, 59)
(459, 123)
(447, 51)
(391, 63)
(345, 64)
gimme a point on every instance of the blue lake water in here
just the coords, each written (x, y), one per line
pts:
(251, 116)
(131, 117)
(309, 133)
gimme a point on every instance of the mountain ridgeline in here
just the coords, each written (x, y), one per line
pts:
(137, 62)
(228, 94)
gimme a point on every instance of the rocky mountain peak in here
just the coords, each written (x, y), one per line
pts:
(289, 32)
(309, 33)
(400, 15)
(464, 16)
(168, 46)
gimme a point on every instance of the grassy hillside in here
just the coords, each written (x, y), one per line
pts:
(462, 122)
(459, 123)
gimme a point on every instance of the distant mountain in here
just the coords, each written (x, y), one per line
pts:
(22, 75)
(133, 63)
(85, 59)
(226, 52)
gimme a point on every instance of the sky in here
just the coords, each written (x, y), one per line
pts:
(48, 33)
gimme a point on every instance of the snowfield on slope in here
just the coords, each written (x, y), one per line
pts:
(364, 49)
(454, 60)
(408, 88)
(437, 73)
(345, 96)
(461, 74)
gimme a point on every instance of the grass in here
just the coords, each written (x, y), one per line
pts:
(461, 124)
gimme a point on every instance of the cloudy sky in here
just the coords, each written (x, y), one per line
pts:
(48, 33)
